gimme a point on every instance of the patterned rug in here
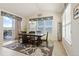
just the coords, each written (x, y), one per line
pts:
(31, 50)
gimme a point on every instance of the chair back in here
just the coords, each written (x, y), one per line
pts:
(32, 37)
(32, 32)
(24, 39)
(23, 31)
(47, 36)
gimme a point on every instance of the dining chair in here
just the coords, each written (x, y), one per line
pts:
(45, 39)
(20, 36)
(32, 38)
(24, 39)
(32, 32)
(23, 31)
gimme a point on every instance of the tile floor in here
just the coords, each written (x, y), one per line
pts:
(59, 49)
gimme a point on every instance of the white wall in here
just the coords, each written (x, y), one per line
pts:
(75, 34)
(25, 24)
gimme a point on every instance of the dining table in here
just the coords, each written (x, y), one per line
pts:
(37, 35)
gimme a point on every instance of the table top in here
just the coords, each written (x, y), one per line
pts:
(32, 34)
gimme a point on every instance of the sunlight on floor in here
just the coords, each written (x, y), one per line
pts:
(9, 42)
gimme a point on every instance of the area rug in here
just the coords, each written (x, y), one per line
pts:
(31, 50)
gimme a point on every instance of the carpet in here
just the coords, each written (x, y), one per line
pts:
(31, 50)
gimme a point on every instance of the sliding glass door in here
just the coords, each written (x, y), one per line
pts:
(8, 27)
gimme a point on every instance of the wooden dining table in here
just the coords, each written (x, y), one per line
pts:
(38, 35)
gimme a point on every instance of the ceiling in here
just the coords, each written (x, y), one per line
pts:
(29, 9)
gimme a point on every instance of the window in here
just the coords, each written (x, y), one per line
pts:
(41, 24)
(32, 25)
(7, 32)
(67, 24)
(68, 33)
(7, 22)
(48, 25)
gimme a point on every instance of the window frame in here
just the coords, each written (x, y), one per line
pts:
(44, 24)
(67, 22)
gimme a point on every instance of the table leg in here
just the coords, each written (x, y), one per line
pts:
(39, 41)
